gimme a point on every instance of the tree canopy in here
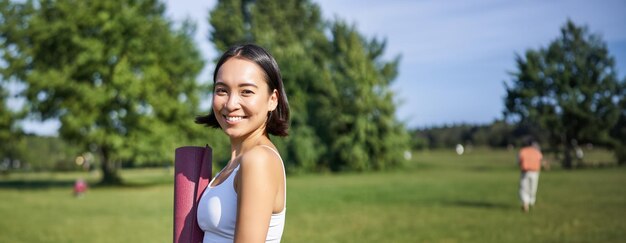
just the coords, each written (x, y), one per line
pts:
(569, 89)
(336, 79)
(117, 74)
(8, 132)
(121, 79)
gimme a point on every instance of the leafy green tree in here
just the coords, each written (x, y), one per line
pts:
(619, 130)
(6, 118)
(41, 153)
(117, 74)
(9, 135)
(273, 29)
(569, 89)
(362, 132)
(338, 84)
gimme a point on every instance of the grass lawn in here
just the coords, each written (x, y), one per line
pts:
(440, 197)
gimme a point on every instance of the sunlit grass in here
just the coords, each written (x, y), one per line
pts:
(440, 197)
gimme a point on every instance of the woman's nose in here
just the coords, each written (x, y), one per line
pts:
(233, 102)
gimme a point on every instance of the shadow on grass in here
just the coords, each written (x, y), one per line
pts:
(44, 184)
(480, 204)
(35, 184)
(135, 185)
(482, 168)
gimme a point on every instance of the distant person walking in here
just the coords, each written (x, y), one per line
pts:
(529, 159)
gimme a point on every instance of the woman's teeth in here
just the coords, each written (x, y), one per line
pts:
(233, 118)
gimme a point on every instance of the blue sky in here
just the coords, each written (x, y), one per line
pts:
(455, 54)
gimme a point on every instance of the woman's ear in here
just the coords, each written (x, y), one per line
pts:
(273, 101)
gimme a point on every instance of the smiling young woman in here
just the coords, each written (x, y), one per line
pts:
(246, 201)
(240, 102)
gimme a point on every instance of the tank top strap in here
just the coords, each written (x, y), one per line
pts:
(273, 150)
(284, 172)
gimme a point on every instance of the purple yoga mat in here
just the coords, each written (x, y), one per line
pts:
(192, 175)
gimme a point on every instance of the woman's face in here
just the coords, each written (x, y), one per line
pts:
(241, 100)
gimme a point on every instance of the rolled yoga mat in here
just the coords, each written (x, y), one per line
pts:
(192, 166)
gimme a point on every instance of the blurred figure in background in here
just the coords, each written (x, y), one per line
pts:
(80, 187)
(529, 160)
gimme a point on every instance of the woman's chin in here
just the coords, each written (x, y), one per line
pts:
(234, 133)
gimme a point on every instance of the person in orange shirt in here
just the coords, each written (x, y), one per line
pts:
(529, 159)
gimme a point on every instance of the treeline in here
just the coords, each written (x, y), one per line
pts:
(336, 79)
(122, 80)
(564, 95)
(498, 134)
(38, 153)
(45, 153)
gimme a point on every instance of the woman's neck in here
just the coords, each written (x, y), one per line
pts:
(240, 145)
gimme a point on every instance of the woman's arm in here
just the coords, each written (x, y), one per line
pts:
(256, 185)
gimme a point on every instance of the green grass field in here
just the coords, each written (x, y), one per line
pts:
(440, 197)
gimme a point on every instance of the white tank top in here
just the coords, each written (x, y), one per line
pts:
(217, 211)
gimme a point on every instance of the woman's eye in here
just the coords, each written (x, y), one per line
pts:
(247, 92)
(220, 91)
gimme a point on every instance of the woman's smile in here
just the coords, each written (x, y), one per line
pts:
(242, 98)
(249, 207)
(233, 119)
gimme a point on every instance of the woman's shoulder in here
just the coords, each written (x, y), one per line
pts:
(261, 156)
(261, 167)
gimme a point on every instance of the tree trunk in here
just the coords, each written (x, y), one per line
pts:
(567, 159)
(620, 155)
(110, 175)
(567, 152)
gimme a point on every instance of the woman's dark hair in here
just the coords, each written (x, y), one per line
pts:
(278, 120)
